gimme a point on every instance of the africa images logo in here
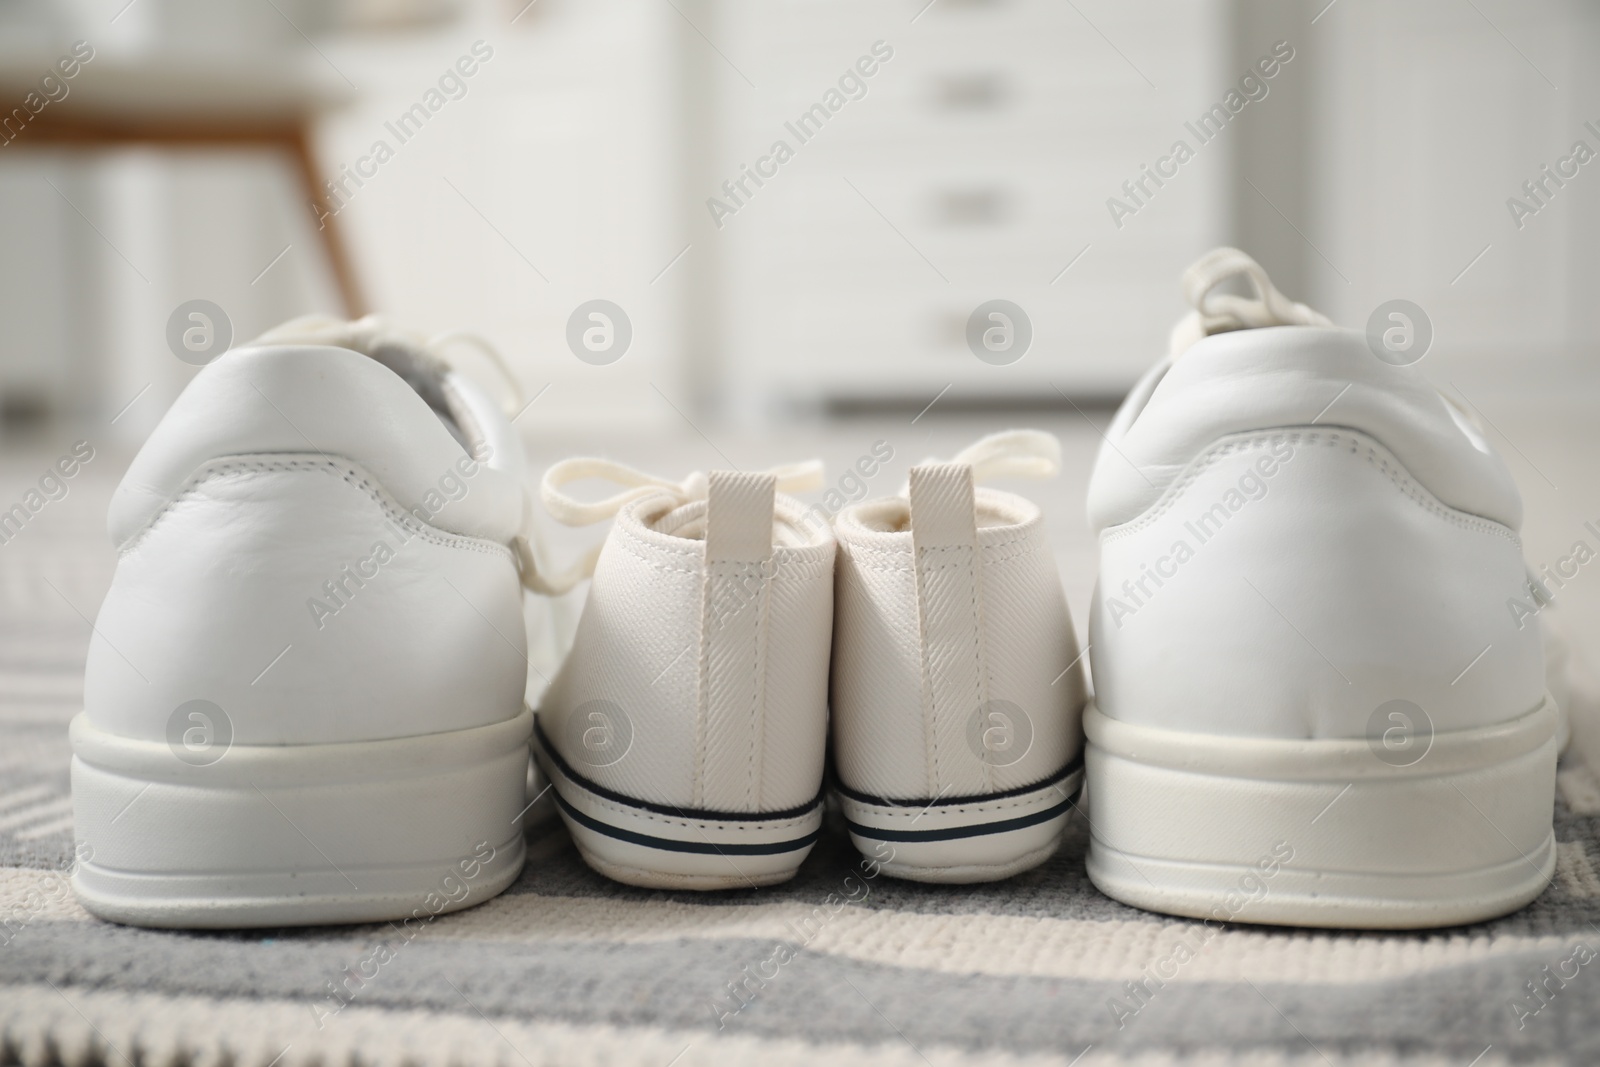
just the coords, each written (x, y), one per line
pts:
(1251, 486)
(1252, 87)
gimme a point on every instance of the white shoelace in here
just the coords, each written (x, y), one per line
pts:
(1031, 454)
(637, 485)
(1220, 312)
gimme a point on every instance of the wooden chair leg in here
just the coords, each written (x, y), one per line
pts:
(328, 227)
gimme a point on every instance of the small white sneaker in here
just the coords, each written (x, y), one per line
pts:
(304, 694)
(957, 686)
(1315, 703)
(685, 733)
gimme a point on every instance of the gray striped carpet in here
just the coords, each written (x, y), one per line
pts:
(567, 968)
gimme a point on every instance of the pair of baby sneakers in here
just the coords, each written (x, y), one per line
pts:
(1320, 693)
(687, 733)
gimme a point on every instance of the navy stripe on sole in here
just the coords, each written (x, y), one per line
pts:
(953, 833)
(947, 802)
(548, 750)
(773, 848)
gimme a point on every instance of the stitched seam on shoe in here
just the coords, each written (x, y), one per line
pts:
(689, 553)
(794, 563)
(806, 570)
(348, 472)
(1174, 495)
(963, 559)
(887, 562)
(892, 562)
(1009, 551)
(868, 557)
(801, 570)
(1398, 475)
(759, 709)
(982, 808)
(927, 695)
(638, 550)
(668, 820)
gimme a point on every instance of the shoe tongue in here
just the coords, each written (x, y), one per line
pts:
(403, 352)
(423, 372)
(1216, 312)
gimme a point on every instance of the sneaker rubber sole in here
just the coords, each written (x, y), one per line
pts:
(1323, 832)
(967, 839)
(289, 835)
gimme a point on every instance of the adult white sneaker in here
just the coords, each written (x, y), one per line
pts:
(304, 694)
(1312, 704)
(957, 686)
(686, 731)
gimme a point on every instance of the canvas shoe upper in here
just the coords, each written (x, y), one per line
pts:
(685, 732)
(957, 681)
(1306, 673)
(304, 694)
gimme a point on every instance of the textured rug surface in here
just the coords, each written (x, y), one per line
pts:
(837, 966)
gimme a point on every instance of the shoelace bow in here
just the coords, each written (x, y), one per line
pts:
(1218, 312)
(1031, 454)
(637, 485)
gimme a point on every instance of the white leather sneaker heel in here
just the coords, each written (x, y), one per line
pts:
(685, 733)
(1315, 703)
(957, 686)
(304, 694)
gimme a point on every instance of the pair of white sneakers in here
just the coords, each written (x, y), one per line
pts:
(304, 700)
(687, 731)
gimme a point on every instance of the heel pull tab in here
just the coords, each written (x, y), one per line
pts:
(944, 538)
(733, 640)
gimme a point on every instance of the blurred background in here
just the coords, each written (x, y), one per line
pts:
(496, 164)
(578, 161)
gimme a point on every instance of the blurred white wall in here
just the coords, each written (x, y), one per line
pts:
(978, 164)
(1427, 119)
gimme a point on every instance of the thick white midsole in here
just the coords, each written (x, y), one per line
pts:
(658, 848)
(962, 840)
(1323, 832)
(298, 834)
